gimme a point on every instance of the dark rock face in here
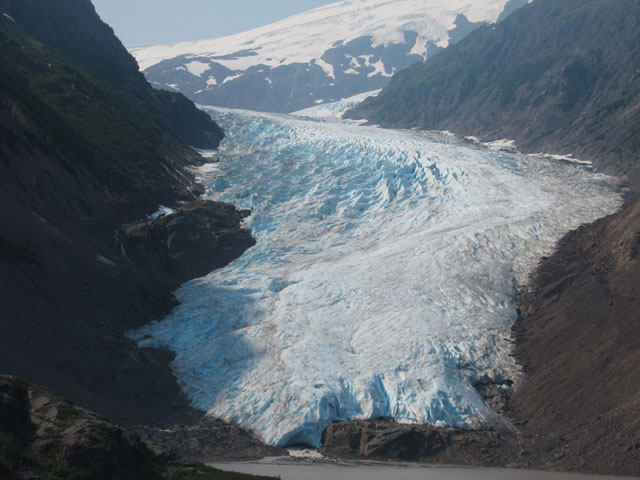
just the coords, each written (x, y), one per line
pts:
(85, 146)
(43, 429)
(73, 27)
(199, 237)
(45, 436)
(386, 439)
(192, 126)
(73, 32)
(209, 439)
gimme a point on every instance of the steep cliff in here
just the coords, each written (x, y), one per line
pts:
(86, 145)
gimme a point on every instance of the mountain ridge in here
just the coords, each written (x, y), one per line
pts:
(320, 56)
(575, 94)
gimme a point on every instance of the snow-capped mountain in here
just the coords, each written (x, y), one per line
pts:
(320, 56)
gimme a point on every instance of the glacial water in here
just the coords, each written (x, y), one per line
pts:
(394, 471)
(384, 279)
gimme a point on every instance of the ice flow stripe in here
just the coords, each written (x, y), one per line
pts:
(384, 278)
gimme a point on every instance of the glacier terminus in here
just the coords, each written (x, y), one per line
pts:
(384, 280)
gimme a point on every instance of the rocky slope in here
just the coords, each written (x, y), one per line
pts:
(69, 83)
(561, 77)
(74, 31)
(43, 436)
(578, 337)
(319, 56)
(87, 149)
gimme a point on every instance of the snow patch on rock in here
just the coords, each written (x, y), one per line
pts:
(197, 68)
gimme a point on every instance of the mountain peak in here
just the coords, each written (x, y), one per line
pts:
(319, 56)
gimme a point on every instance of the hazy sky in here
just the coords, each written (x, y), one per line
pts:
(147, 22)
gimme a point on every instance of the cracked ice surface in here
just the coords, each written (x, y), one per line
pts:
(384, 278)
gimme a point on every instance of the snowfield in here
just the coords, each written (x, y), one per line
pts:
(384, 279)
(309, 35)
(319, 56)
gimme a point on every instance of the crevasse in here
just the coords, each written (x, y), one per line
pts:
(384, 278)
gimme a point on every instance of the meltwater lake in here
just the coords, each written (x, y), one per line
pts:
(373, 471)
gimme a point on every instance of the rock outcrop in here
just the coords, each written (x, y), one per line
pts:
(386, 439)
(210, 439)
(199, 237)
(45, 436)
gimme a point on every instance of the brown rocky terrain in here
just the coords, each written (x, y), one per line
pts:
(578, 337)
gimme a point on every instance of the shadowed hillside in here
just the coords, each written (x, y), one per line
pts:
(86, 146)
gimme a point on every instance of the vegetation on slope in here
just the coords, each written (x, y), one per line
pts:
(70, 72)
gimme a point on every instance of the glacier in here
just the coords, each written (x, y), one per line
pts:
(384, 279)
(334, 111)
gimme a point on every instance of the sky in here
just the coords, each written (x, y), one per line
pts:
(149, 22)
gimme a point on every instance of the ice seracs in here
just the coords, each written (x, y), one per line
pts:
(384, 279)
